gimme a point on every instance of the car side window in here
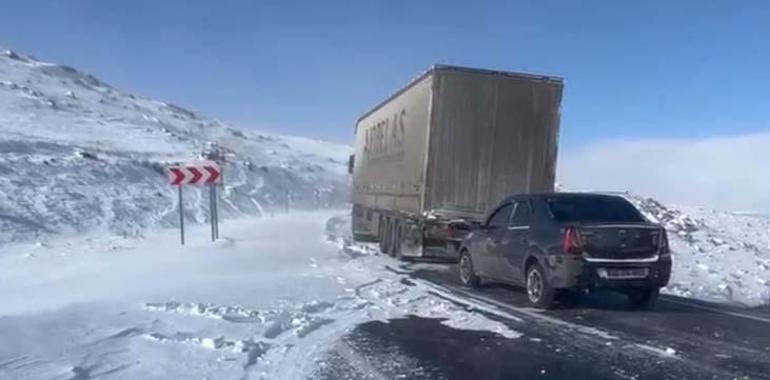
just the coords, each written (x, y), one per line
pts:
(522, 215)
(500, 218)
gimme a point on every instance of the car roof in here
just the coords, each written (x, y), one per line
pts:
(530, 196)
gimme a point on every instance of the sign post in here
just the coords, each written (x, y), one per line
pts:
(215, 207)
(181, 215)
(203, 173)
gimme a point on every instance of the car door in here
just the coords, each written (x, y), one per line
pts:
(486, 259)
(514, 245)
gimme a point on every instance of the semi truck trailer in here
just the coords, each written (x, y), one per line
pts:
(430, 160)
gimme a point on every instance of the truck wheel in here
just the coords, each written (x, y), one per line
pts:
(392, 237)
(644, 298)
(398, 234)
(539, 292)
(384, 229)
(398, 241)
(468, 275)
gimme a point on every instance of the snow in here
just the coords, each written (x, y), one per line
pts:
(268, 303)
(668, 352)
(717, 255)
(79, 155)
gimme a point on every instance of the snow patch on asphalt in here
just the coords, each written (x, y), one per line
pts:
(667, 352)
(397, 296)
(398, 300)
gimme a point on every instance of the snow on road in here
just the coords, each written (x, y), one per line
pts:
(265, 302)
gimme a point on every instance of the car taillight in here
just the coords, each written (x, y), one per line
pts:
(571, 244)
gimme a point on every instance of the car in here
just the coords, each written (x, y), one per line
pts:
(555, 242)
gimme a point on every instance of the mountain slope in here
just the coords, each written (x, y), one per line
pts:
(77, 154)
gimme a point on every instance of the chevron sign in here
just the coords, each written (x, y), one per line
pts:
(205, 173)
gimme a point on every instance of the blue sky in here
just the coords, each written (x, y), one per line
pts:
(633, 70)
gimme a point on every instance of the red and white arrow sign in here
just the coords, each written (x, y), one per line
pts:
(205, 173)
(177, 175)
(214, 173)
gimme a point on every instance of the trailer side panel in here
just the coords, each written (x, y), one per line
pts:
(491, 136)
(390, 151)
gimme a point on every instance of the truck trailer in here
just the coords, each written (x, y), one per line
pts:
(430, 160)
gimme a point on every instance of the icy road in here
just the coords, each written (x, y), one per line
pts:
(286, 297)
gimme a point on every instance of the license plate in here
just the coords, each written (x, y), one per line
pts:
(622, 273)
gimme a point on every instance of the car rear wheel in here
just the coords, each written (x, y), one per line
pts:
(539, 291)
(468, 275)
(644, 298)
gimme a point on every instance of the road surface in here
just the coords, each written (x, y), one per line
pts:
(596, 337)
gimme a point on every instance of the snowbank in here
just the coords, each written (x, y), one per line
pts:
(717, 255)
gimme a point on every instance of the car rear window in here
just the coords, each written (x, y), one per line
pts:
(593, 209)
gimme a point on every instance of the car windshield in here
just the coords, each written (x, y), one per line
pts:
(593, 209)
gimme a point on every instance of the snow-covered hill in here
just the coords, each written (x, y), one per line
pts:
(718, 255)
(79, 155)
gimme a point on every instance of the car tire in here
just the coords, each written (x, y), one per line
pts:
(539, 292)
(644, 298)
(468, 275)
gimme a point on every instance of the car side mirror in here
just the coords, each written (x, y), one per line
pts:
(351, 163)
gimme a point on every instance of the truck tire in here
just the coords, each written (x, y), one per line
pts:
(391, 237)
(644, 298)
(383, 235)
(394, 242)
(539, 291)
(398, 239)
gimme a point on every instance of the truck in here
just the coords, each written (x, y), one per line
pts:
(431, 159)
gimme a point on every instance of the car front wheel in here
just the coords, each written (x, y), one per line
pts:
(468, 275)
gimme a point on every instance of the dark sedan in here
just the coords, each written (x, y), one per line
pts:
(568, 241)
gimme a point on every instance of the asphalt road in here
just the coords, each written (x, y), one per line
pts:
(596, 336)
